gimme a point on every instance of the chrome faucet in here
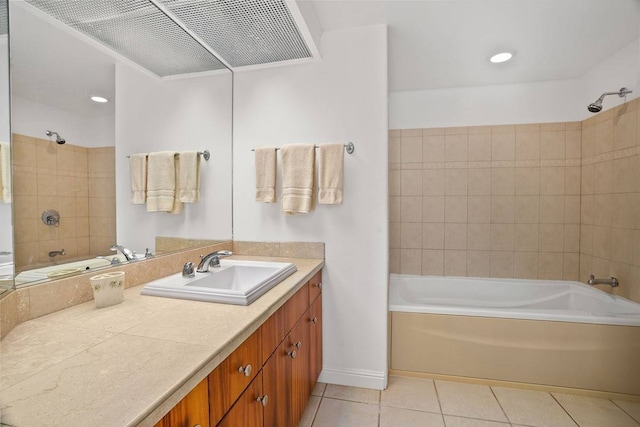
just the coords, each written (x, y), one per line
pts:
(613, 282)
(115, 260)
(56, 253)
(128, 253)
(211, 260)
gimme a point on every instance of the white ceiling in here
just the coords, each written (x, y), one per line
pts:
(446, 43)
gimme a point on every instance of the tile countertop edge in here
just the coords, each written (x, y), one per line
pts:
(154, 413)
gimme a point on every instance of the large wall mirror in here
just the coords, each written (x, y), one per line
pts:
(6, 233)
(71, 168)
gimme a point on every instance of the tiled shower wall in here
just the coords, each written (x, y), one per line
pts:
(79, 182)
(539, 201)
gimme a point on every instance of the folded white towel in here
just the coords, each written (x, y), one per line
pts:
(5, 171)
(330, 173)
(298, 178)
(189, 181)
(161, 182)
(266, 160)
(138, 173)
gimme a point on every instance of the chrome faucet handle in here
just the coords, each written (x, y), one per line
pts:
(211, 260)
(189, 270)
(147, 253)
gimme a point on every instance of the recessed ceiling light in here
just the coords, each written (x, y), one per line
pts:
(501, 57)
(99, 99)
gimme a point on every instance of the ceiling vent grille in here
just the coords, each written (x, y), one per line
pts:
(243, 32)
(137, 30)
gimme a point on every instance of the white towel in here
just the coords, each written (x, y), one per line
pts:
(138, 174)
(5, 171)
(266, 160)
(189, 181)
(298, 167)
(330, 173)
(161, 182)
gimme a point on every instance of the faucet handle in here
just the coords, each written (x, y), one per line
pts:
(189, 270)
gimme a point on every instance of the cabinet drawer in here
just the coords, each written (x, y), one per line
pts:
(295, 308)
(233, 375)
(248, 410)
(191, 411)
(315, 287)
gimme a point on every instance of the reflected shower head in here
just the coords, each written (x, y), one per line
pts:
(596, 107)
(59, 139)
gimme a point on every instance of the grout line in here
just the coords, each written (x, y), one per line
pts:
(315, 414)
(439, 404)
(564, 409)
(622, 409)
(500, 405)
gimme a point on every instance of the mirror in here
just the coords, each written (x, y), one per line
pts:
(72, 192)
(6, 232)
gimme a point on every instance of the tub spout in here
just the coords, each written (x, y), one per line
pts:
(613, 282)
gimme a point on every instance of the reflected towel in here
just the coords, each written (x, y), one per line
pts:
(138, 173)
(5, 171)
(189, 181)
(265, 164)
(161, 182)
(298, 170)
(330, 173)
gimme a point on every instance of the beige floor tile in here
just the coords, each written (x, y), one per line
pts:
(593, 412)
(318, 390)
(398, 417)
(354, 394)
(631, 408)
(310, 411)
(533, 408)
(340, 413)
(469, 400)
(450, 421)
(410, 393)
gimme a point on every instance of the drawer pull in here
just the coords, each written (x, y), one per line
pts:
(292, 354)
(245, 370)
(263, 400)
(197, 425)
(318, 285)
(314, 320)
(298, 345)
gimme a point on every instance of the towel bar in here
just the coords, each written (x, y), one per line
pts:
(349, 147)
(205, 154)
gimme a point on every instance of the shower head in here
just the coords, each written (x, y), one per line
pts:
(59, 139)
(596, 107)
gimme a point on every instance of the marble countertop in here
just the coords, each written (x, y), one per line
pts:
(127, 364)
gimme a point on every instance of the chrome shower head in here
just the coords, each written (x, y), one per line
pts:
(596, 107)
(59, 139)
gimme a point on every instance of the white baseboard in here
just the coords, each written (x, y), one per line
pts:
(354, 378)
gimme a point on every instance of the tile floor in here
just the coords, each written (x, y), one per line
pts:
(409, 402)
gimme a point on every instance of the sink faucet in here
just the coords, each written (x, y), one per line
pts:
(211, 260)
(613, 282)
(128, 253)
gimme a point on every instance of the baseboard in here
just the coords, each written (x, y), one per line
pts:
(354, 378)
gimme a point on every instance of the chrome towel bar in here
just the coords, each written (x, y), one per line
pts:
(205, 154)
(349, 147)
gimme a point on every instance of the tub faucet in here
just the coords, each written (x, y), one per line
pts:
(56, 253)
(211, 260)
(128, 253)
(613, 282)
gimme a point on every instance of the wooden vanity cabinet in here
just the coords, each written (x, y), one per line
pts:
(315, 340)
(248, 409)
(191, 411)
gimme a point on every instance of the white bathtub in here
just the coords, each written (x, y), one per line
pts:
(510, 298)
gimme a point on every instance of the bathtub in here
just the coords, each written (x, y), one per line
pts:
(543, 333)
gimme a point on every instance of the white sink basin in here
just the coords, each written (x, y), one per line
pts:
(234, 282)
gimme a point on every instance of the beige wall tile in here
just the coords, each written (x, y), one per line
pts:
(394, 182)
(27, 206)
(552, 145)
(455, 209)
(411, 183)
(455, 182)
(527, 209)
(625, 129)
(26, 230)
(502, 237)
(47, 232)
(602, 214)
(23, 150)
(547, 127)
(67, 207)
(478, 263)
(604, 137)
(527, 181)
(600, 267)
(572, 209)
(411, 209)
(394, 261)
(83, 246)
(68, 228)
(47, 185)
(394, 209)
(503, 181)
(46, 155)
(552, 209)
(588, 141)
(66, 158)
(571, 267)
(26, 254)
(572, 238)
(479, 209)
(528, 145)
(503, 146)
(102, 207)
(479, 182)
(525, 265)
(636, 248)
(479, 236)
(622, 245)
(552, 180)
(526, 237)
(458, 130)
(455, 148)
(82, 187)
(410, 261)
(573, 144)
(433, 262)
(503, 209)
(25, 184)
(479, 147)
(433, 148)
(624, 210)
(572, 180)
(394, 150)
(550, 266)
(586, 209)
(411, 235)
(411, 149)
(433, 182)
(587, 179)
(455, 263)
(433, 131)
(475, 130)
(503, 129)
(433, 236)
(625, 175)
(502, 264)
(411, 132)
(634, 288)
(67, 186)
(433, 209)
(585, 267)
(527, 127)
(551, 238)
(586, 239)
(455, 236)
(394, 236)
(602, 242)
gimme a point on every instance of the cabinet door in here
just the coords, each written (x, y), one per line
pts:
(276, 382)
(191, 411)
(315, 287)
(315, 338)
(248, 409)
(298, 341)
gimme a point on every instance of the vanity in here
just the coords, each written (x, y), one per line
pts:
(154, 361)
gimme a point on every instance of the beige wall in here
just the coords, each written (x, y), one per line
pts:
(52, 176)
(538, 201)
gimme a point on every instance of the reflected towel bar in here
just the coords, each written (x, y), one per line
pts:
(205, 154)
(348, 146)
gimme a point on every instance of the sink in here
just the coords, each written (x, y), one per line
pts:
(234, 282)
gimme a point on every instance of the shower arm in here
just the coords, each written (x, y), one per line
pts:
(621, 93)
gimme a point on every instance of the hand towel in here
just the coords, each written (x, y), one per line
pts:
(330, 173)
(161, 181)
(298, 178)
(189, 181)
(5, 171)
(177, 204)
(266, 174)
(138, 174)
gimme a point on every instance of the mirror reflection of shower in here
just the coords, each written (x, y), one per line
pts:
(59, 139)
(596, 107)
